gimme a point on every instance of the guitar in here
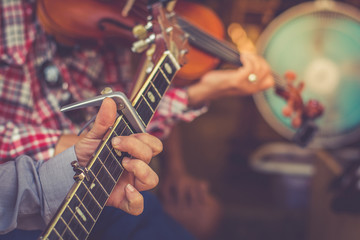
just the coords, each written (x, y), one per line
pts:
(86, 199)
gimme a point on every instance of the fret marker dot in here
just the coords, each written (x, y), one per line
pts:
(118, 152)
(82, 215)
(151, 96)
(168, 68)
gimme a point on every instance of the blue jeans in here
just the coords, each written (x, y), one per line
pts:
(152, 224)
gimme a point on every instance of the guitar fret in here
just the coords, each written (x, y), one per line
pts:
(112, 165)
(105, 168)
(82, 214)
(156, 90)
(54, 235)
(95, 168)
(165, 76)
(78, 214)
(161, 82)
(67, 233)
(76, 226)
(73, 224)
(151, 96)
(105, 180)
(93, 206)
(151, 109)
(84, 207)
(98, 192)
(123, 129)
(60, 227)
(145, 109)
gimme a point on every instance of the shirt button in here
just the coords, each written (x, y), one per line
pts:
(51, 75)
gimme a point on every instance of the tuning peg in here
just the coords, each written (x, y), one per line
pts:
(140, 31)
(142, 44)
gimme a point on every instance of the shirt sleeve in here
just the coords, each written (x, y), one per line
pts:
(24, 139)
(173, 108)
(32, 191)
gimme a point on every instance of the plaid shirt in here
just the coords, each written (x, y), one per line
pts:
(37, 76)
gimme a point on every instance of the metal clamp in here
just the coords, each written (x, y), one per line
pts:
(123, 104)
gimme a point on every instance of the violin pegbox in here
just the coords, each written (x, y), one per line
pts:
(163, 32)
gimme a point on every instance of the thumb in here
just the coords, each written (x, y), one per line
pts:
(104, 119)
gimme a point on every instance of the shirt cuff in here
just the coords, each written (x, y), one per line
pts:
(56, 176)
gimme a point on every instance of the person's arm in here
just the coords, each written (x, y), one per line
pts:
(185, 104)
(32, 190)
(232, 82)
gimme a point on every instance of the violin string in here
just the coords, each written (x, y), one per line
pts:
(210, 43)
(219, 48)
(214, 45)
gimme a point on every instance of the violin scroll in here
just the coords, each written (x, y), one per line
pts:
(302, 114)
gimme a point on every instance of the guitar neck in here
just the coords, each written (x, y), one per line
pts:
(86, 199)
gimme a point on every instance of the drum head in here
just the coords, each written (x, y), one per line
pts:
(320, 42)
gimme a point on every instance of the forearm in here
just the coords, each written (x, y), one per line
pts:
(213, 85)
(32, 190)
(232, 82)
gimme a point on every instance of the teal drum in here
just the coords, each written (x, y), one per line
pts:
(320, 42)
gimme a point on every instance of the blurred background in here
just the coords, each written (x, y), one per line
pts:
(270, 187)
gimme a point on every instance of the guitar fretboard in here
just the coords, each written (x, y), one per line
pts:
(85, 201)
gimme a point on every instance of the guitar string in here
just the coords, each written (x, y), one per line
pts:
(103, 165)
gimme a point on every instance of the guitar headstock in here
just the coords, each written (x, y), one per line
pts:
(160, 34)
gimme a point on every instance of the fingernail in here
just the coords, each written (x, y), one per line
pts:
(130, 187)
(115, 140)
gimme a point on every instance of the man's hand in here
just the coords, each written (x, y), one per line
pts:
(232, 82)
(138, 176)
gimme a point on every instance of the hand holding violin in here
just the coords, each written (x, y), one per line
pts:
(255, 75)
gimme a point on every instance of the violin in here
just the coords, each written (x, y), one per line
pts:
(73, 22)
(113, 20)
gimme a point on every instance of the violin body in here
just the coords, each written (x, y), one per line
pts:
(72, 22)
(85, 21)
(198, 61)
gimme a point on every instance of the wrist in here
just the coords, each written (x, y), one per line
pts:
(211, 86)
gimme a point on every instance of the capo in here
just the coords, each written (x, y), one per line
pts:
(123, 105)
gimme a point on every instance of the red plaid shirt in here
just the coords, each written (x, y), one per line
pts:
(30, 120)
